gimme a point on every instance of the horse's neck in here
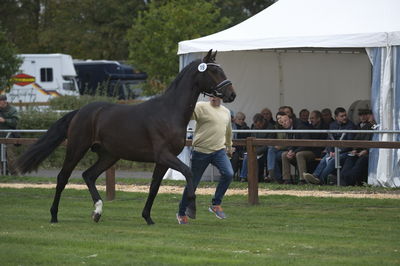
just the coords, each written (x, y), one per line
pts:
(183, 96)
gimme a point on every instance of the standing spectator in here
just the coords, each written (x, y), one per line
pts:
(8, 115)
(8, 120)
(327, 118)
(327, 164)
(212, 141)
(295, 155)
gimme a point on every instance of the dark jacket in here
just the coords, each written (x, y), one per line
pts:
(336, 136)
(10, 114)
(299, 125)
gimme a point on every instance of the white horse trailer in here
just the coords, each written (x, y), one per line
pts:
(43, 76)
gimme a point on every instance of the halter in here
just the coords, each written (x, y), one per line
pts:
(217, 90)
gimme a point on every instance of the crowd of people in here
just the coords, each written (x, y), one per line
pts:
(313, 165)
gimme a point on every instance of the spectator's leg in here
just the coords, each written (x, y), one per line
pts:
(302, 157)
(243, 172)
(346, 178)
(320, 167)
(285, 167)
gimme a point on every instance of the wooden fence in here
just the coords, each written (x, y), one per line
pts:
(250, 144)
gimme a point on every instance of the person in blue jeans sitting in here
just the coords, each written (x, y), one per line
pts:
(211, 143)
(327, 164)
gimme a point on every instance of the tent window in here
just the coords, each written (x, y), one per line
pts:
(46, 74)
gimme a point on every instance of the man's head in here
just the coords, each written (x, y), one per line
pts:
(258, 121)
(287, 109)
(240, 118)
(3, 100)
(286, 121)
(364, 115)
(341, 115)
(267, 114)
(279, 116)
(315, 117)
(215, 101)
(326, 115)
(304, 115)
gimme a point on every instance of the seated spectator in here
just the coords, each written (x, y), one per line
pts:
(327, 163)
(355, 167)
(295, 155)
(259, 123)
(327, 118)
(237, 156)
(275, 154)
(267, 114)
(316, 123)
(304, 115)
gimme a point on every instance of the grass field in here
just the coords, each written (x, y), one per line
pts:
(281, 230)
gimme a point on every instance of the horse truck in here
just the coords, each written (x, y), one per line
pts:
(109, 78)
(42, 77)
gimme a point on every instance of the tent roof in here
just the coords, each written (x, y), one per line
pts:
(309, 23)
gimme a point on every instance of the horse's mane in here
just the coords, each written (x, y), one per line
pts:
(183, 72)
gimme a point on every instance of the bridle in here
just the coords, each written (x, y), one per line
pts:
(217, 90)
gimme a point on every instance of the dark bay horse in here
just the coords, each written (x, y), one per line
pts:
(153, 131)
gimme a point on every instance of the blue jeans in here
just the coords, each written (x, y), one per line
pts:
(327, 166)
(200, 161)
(260, 172)
(274, 161)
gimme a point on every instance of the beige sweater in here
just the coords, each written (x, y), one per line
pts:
(213, 128)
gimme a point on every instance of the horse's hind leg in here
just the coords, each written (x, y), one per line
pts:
(90, 176)
(70, 161)
(158, 174)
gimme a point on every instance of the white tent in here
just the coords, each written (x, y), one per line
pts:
(310, 54)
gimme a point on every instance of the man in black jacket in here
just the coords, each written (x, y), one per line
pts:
(295, 155)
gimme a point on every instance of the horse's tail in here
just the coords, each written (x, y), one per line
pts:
(45, 145)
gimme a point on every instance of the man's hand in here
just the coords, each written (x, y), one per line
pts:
(230, 151)
(2, 120)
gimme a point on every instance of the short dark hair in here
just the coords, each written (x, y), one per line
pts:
(317, 113)
(364, 112)
(3, 97)
(258, 118)
(339, 110)
(326, 111)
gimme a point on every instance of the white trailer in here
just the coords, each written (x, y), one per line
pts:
(43, 76)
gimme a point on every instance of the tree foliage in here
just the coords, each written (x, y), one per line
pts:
(154, 36)
(9, 62)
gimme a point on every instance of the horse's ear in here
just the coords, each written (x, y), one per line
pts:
(213, 56)
(208, 57)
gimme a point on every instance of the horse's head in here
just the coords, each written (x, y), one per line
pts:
(213, 81)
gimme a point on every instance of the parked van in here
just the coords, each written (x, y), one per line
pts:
(110, 78)
(43, 76)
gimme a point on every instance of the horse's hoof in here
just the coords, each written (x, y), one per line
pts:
(96, 216)
(191, 213)
(149, 221)
(53, 221)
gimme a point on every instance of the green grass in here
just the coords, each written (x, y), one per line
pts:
(281, 230)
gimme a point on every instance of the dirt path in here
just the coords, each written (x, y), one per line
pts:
(210, 191)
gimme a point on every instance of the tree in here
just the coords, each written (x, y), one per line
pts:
(153, 38)
(9, 62)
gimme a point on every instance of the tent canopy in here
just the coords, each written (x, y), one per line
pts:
(309, 23)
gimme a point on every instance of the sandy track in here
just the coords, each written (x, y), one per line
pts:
(210, 191)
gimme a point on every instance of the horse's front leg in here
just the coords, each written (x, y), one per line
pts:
(158, 174)
(171, 161)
